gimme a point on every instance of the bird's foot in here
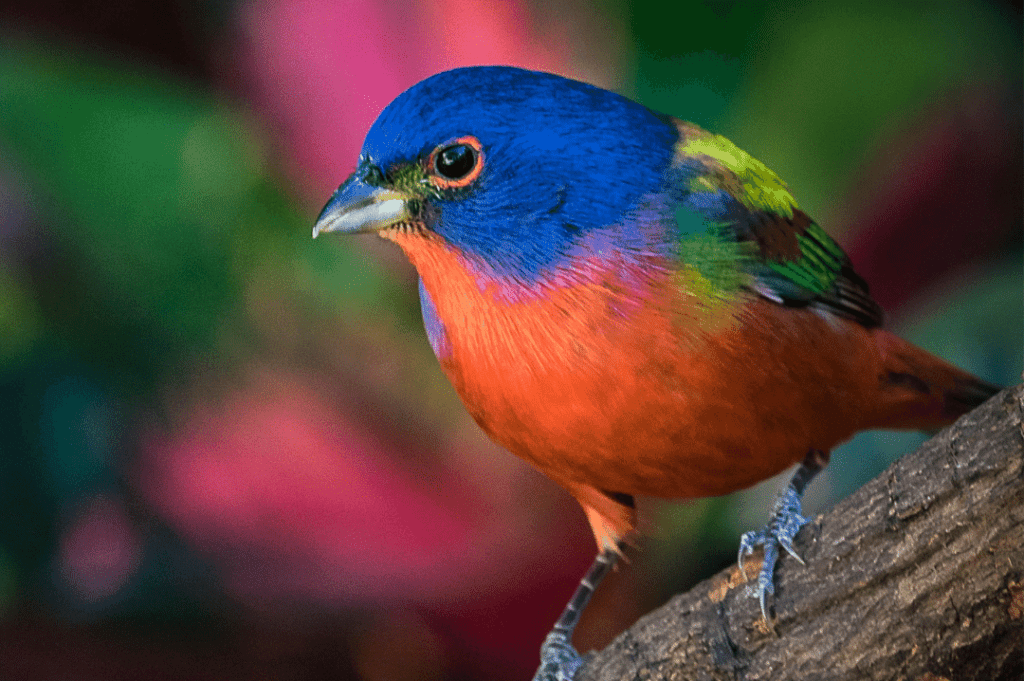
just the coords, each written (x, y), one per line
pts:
(559, 661)
(786, 522)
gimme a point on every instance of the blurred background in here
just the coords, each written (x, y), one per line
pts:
(227, 452)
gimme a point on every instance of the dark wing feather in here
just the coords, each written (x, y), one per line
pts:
(799, 264)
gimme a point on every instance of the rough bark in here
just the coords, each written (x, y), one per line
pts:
(919, 576)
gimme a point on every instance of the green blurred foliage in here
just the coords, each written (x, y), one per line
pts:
(20, 318)
(163, 207)
(808, 86)
(833, 81)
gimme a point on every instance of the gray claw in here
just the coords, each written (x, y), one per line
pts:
(786, 522)
(559, 661)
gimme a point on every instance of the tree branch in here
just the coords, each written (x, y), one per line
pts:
(919, 575)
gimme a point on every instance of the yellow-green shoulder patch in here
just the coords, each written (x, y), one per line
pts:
(742, 175)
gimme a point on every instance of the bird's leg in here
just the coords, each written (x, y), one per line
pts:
(558, 659)
(786, 521)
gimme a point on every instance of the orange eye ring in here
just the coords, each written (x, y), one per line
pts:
(456, 163)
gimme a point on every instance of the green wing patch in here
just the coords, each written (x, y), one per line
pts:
(820, 261)
(788, 257)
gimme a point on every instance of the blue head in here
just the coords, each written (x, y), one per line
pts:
(514, 167)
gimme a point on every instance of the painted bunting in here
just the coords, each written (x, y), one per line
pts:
(632, 304)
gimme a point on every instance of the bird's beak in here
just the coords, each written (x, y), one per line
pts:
(357, 207)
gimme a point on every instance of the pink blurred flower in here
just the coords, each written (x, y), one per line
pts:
(324, 69)
(100, 549)
(296, 501)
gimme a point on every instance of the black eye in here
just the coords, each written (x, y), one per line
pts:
(455, 162)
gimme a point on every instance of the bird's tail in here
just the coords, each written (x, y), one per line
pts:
(923, 392)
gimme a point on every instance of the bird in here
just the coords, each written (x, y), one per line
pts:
(631, 303)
